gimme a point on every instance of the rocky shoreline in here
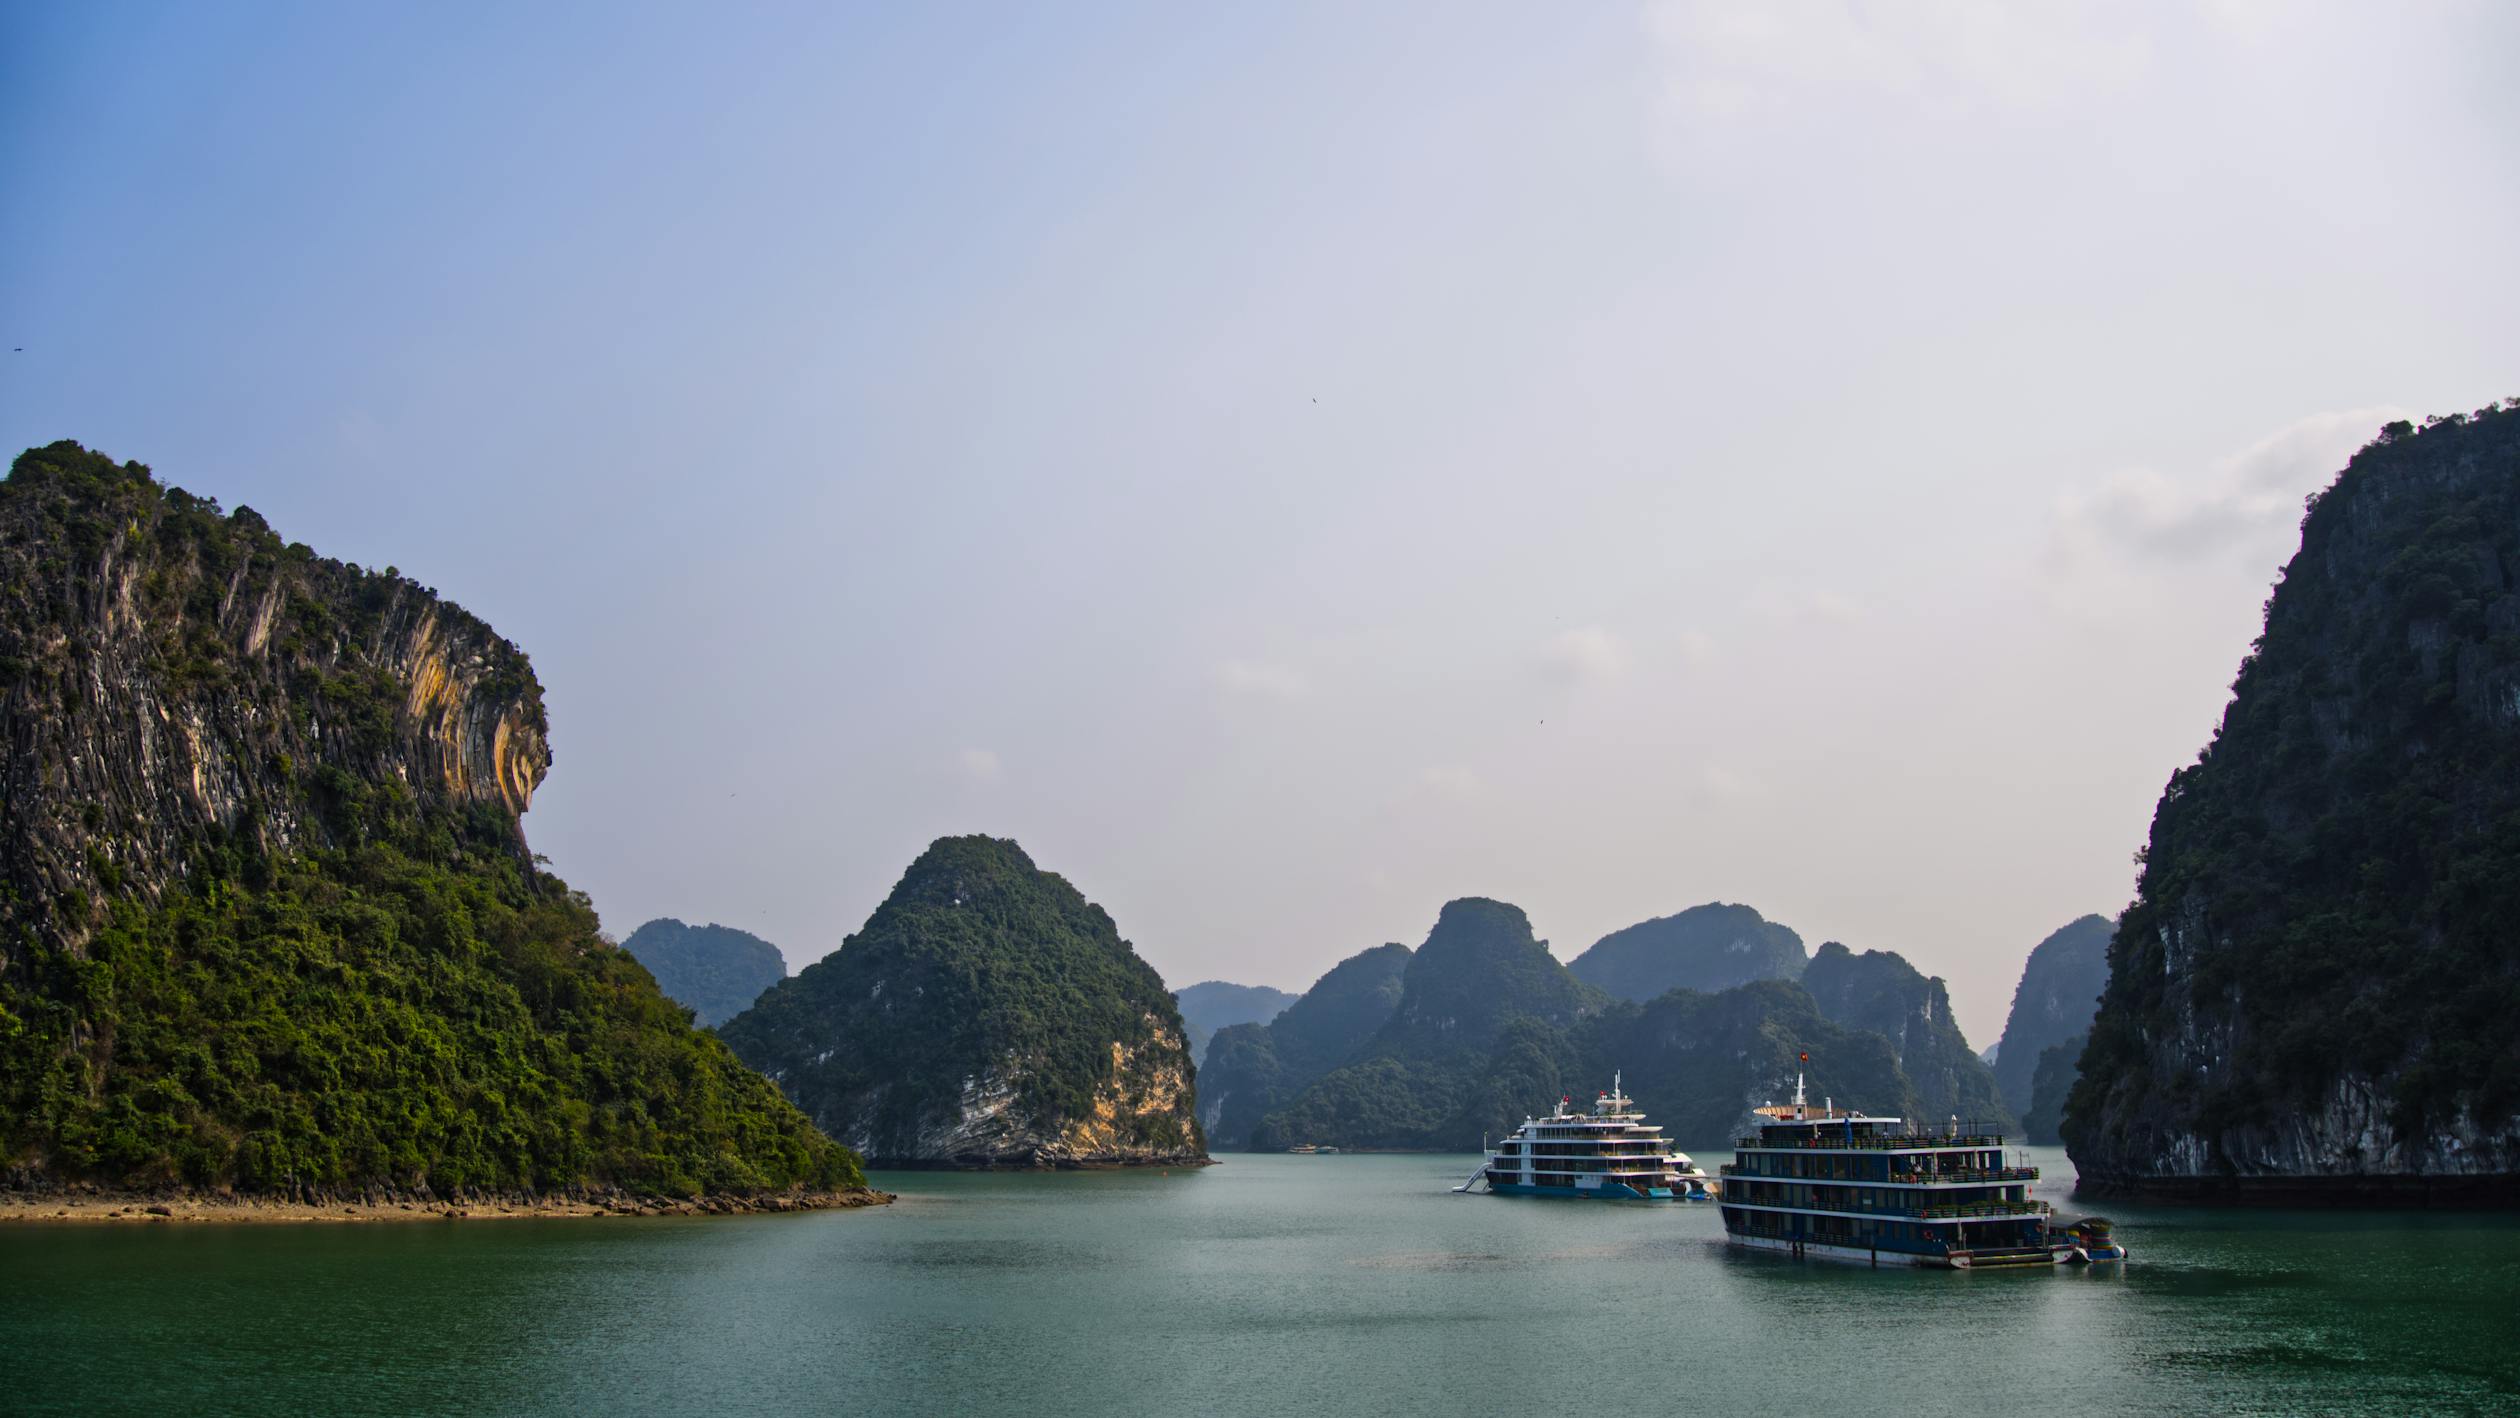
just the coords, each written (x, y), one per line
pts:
(1039, 1162)
(2483, 1191)
(74, 1205)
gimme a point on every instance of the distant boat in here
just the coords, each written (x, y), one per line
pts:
(1306, 1149)
(1609, 1154)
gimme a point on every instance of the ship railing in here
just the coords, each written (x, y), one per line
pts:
(1905, 1142)
(1998, 1174)
(1964, 1211)
(1985, 1208)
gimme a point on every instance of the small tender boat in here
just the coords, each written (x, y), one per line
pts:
(1609, 1154)
(2093, 1239)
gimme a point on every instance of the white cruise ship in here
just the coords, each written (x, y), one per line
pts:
(1609, 1154)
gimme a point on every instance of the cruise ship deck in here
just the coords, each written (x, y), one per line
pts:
(1834, 1184)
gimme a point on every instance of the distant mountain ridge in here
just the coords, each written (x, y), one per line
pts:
(1252, 1069)
(717, 971)
(1707, 948)
(1211, 1005)
(1880, 991)
(1487, 1027)
(1482, 1004)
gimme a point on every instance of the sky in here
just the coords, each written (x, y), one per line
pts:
(1291, 466)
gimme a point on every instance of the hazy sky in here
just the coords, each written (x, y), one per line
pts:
(1293, 465)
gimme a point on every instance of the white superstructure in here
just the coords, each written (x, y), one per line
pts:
(1610, 1154)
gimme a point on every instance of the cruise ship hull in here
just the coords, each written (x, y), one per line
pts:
(1862, 1255)
(1613, 1192)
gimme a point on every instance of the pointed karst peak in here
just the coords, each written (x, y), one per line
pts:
(986, 1014)
(1474, 921)
(973, 857)
(2058, 994)
(1481, 964)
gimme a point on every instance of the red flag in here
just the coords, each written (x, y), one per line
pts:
(1806, 1058)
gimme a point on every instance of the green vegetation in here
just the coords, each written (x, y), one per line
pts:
(1482, 1009)
(1706, 948)
(2060, 988)
(978, 967)
(1251, 1070)
(1698, 1062)
(2051, 1079)
(2328, 895)
(718, 971)
(1879, 991)
(1214, 1004)
(360, 1018)
(268, 921)
(1489, 1028)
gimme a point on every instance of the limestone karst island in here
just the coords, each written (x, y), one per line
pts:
(1104, 711)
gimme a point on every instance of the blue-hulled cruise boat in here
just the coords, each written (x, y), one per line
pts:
(1609, 1154)
(1832, 1184)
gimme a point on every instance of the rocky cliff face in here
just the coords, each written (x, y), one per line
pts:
(2059, 990)
(987, 1015)
(715, 971)
(1707, 948)
(1878, 990)
(2312, 992)
(268, 921)
(175, 682)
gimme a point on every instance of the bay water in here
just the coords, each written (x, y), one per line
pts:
(1274, 1285)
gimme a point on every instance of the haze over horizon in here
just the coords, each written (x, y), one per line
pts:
(1291, 469)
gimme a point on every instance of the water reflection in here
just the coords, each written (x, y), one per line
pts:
(1269, 1285)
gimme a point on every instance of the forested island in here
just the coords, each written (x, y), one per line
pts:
(2311, 995)
(716, 971)
(272, 929)
(1211, 1005)
(1480, 1025)
(987, 1015)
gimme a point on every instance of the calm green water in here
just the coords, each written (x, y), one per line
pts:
(1269, 1285)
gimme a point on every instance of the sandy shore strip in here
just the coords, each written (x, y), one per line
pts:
(77, 1207)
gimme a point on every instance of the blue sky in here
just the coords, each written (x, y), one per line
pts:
(1290, 466)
